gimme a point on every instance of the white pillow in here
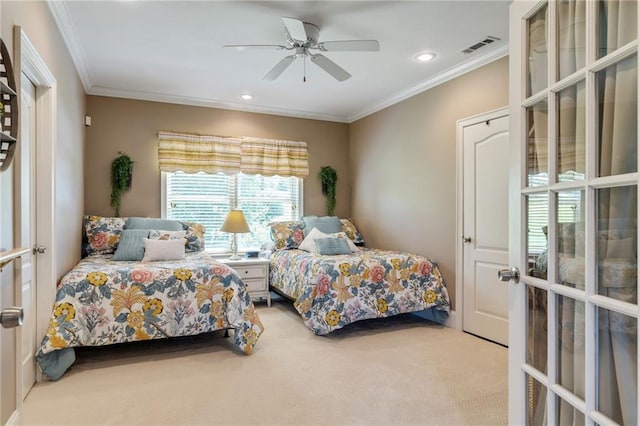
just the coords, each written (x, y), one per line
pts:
(308, 244)
(163, 250)
(155, 234)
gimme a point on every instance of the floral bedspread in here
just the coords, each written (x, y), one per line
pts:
(333, 291)
(101, 302)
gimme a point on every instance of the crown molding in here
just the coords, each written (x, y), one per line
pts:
(70, 36)
(210, 103)
(438, 79)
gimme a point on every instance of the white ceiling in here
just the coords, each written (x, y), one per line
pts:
(172, 51)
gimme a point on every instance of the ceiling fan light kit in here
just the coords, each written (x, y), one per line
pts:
(302, 38)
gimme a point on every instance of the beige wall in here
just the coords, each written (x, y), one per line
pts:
(38, 24)
(403, 166)
(132, 127)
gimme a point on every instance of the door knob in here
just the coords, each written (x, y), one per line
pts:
(11, 317)
(466, 240)
(509, 274)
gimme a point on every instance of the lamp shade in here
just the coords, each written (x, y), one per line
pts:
(235, 223)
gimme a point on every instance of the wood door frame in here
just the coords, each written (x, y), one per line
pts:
(29, 62)
(457, 319)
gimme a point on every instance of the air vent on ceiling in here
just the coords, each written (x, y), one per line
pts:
(478, 45)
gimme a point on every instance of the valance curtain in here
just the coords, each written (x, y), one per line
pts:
(270, 157)
(194, 153)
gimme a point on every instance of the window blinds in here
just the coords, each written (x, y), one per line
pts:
(207, 198)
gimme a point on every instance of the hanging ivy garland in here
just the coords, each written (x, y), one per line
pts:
(121, 174)
(329, 178)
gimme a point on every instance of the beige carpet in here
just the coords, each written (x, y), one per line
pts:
(401, 371)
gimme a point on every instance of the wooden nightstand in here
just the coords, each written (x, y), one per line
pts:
(255, 275)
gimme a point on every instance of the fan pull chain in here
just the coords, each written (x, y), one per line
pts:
(304, 69)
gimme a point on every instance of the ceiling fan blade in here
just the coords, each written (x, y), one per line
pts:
(350, 45)
(331, 67)
(279, 68)
(295, 28)
(256, 46)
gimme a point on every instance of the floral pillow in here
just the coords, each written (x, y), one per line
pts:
(352, 232)
(287, 235)
(194, 236)
(102, 234)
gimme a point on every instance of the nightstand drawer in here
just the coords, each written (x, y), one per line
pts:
(245, 272)
(256, 284)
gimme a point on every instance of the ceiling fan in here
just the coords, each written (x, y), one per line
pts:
(302, 38)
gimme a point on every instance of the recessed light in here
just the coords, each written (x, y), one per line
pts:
(425, 57)
(246, 96)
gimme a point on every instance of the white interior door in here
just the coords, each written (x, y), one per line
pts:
(26, 224)
(485, 142)
(573, 317)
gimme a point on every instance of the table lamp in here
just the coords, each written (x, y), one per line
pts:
(235, 223)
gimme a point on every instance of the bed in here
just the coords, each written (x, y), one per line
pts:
(103, 301)
(332, 291)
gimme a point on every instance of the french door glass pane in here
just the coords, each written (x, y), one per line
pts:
(537, 328)
(617, 367)
(537, 226)
(536, 402)
(537, 144)
(617, 242)
(567, 415)
(537, 78)
(618, 118)
(571, 133)
(617, 25)
(571, 36)
(571, 352)
(570, 238)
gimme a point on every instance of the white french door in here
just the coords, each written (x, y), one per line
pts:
(573, 317)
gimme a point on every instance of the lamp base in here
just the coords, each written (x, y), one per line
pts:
(234, 248)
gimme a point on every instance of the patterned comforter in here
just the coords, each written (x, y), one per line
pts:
(101, 302)
(333, 291)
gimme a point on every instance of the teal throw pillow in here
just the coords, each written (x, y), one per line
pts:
(326, 224)
(331, 246)
(153, 223)
(131, 246)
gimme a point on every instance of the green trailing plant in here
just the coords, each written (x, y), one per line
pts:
(329, 178)
(121, 173)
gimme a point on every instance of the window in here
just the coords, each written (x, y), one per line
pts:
(207, 198)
